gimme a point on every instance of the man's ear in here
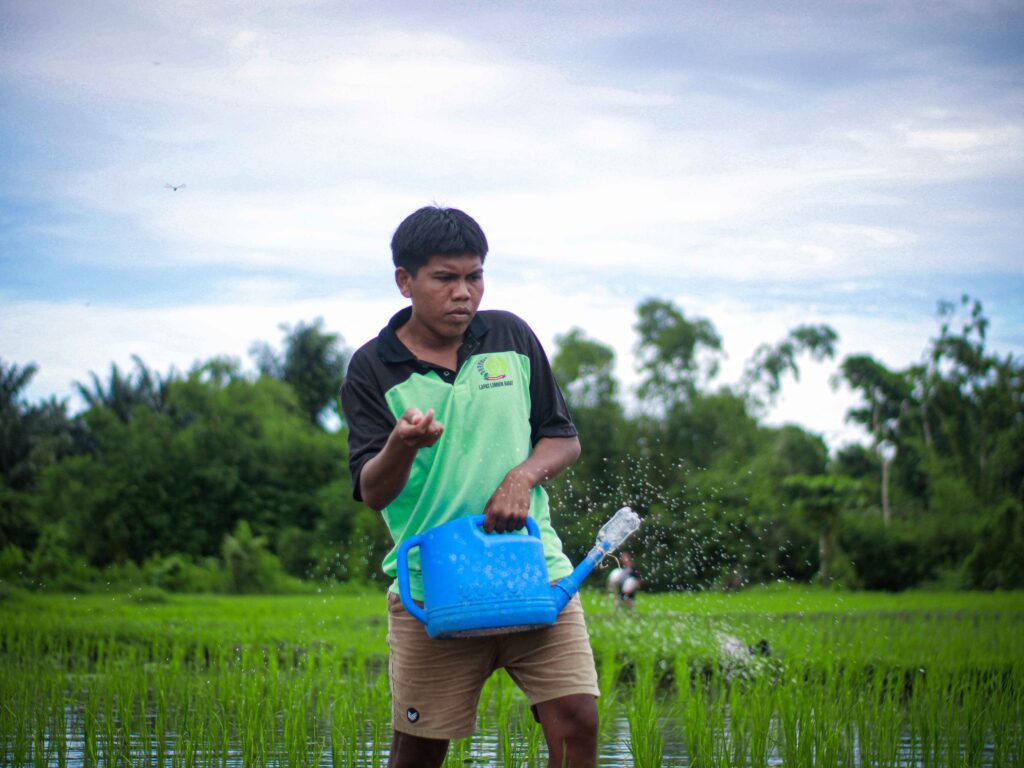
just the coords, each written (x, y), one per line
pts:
(403, 279)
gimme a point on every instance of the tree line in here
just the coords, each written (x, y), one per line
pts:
(222, 479)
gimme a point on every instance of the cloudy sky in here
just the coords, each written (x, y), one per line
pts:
(760, 164)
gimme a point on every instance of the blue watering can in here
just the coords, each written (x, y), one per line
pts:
(475, 583)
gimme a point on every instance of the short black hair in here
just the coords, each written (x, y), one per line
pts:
(434, 230)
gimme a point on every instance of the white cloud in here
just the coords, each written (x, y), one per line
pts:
(304, 132)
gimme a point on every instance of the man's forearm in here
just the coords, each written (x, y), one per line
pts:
(509, 505)
(549, 458)
(384, 476)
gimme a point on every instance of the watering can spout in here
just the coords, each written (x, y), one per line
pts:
(611, 535)
(564, 589)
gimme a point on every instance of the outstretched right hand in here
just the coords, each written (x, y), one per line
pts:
(385, 475)
(418, 430)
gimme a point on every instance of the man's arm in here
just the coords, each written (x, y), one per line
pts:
(510, 504)
(384, 476)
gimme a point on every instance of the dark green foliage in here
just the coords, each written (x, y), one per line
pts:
(856, 461)
(178, 483)
(313, 364)
(295, 550)
(997, 561)
(886, 557)
(676, 355)
(249, 567)
(32, 438)
(177, 573)
(13, 564)
(125, 392)
(18, 524)
(16, 429)
(219, 480)
(54, 564)
(821, 500)
(584, 369)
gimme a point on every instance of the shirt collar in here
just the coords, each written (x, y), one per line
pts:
(392, 350)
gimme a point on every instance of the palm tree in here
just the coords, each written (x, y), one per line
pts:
(125, 391)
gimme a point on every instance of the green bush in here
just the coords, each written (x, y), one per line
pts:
(53, 567)
(249, 568)
(178, 573)
(13, 565)
(997, 561)
(295, 551)
(907, 552)
(148, 595)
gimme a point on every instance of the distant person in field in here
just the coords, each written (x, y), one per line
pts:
(624, 582)
(453, 412)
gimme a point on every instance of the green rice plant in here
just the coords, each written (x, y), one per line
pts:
(880, 720)
(345, 734)
(703, 721)
(750, 708)
(525, 747)
(609, 668)
(459, 753)
(211, 681)
(1005, 716)
(924, 717)
(646, 715)
(796, 744)
(54, 721)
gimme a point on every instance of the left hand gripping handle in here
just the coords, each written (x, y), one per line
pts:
(403, 577)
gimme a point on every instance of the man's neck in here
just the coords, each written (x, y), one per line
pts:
(428, 346)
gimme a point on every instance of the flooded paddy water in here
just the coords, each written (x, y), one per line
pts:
(864, 680)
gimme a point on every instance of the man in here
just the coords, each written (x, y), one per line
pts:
(452, 412)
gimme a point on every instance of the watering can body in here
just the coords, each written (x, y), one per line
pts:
(475, 583)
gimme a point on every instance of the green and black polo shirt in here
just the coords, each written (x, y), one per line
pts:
(500, 401)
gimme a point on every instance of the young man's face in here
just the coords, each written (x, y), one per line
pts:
(445, 293)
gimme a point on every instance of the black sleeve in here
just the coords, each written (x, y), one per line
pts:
(549, 415)
(367, 416)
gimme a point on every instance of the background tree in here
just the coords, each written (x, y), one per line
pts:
(124, 392)
(158, 473)
(32, 437)
(312, 363)
(762, 376)
(584, 369)
(886, 394)
(250, 567)
(997, 561)
(973, 407)
(178, 481)
(676, 356)
(821, 499)
(16, 429)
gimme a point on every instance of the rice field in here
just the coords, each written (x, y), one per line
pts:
(783, 676)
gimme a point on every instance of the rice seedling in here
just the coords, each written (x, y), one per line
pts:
(646, 717)
(211, 681)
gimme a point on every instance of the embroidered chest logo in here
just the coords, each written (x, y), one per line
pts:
(493, 369)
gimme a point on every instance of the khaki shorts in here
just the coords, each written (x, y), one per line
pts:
(436, 684)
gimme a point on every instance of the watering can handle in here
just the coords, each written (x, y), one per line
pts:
(531, 525)
(403, 577)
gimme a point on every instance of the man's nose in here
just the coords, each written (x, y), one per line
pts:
(461, 289)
